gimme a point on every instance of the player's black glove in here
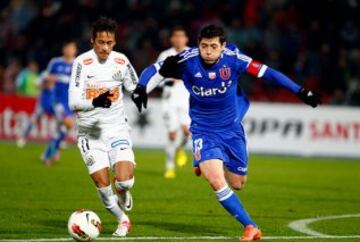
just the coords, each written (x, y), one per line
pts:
(139, 97)
(102, 100)
(170, 66)
(309, 97)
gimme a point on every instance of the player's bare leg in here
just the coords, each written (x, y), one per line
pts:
(110, 200)
(214, 173)
(124, 181)
(236, 181)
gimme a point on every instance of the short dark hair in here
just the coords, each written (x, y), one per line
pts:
(103, 24)
(68, 41)
(178, 28)
(212, 31)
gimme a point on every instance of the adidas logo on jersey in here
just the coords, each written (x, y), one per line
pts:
(212, 91)
(198, 75)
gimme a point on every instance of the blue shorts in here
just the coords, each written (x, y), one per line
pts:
(229, 146)
(62, 110)
(44, 108)
(45, 103)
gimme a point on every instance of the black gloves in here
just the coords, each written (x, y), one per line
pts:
(102, 100)
(139, 97)
(170, 66)
(309, 97)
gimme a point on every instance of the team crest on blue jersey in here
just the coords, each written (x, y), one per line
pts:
(225, 73)
(212, 75)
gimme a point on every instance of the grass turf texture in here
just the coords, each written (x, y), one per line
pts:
(36, 201)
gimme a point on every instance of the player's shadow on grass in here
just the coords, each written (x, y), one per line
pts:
(57, 224)
(185, 228)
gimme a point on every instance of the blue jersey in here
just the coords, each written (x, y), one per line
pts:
(46, 97)
(216, 104)
(213, 99)
(62, 70)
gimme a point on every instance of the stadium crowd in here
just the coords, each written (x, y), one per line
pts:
(316, 44)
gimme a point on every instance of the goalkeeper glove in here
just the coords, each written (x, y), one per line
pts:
(102, 100)
(139, 97)
(170, 66)
(309, 97)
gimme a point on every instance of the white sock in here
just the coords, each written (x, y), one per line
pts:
(170, 151)
(110, 202)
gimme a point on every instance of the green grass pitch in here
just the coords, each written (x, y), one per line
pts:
(36, 201)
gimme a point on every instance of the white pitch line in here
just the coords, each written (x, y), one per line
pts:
(302, 224)
(190, 238)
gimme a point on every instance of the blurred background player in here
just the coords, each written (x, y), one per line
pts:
(96, 96)
(59, 71)
(44, 106)
(26, 81)
(175, 107)
(210, 73)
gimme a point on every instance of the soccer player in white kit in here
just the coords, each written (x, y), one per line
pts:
(95, 95)
(175, 107)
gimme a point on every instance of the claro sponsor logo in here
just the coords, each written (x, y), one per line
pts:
(211, 91)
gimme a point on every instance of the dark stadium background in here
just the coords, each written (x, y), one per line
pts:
(317, 43)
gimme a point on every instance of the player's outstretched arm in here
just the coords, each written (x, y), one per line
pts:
(307, 96)
(152, 76)
(149, 79)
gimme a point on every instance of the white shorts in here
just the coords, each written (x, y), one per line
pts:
(105, 152)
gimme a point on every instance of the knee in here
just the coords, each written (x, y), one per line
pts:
(102, 182)
(68, 122)
(238, 185)
(217, 183)
(124, 185)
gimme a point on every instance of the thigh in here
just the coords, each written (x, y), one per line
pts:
(212, 168)
(206, 147)
(62, 111)
(235, 180)
(236, 151)
(120, 150)
(94, 154)
(124, 170)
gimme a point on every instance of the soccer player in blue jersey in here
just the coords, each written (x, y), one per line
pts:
(210, 73)
(59, 69)
(44, 106)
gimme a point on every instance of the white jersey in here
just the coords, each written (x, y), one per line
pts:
(89, 79)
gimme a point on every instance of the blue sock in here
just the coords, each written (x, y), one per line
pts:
(232, 204)
(59, 138)
(54, 145)
(50, 150)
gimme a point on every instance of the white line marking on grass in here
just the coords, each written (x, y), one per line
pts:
(302, 224)
(190, 238)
